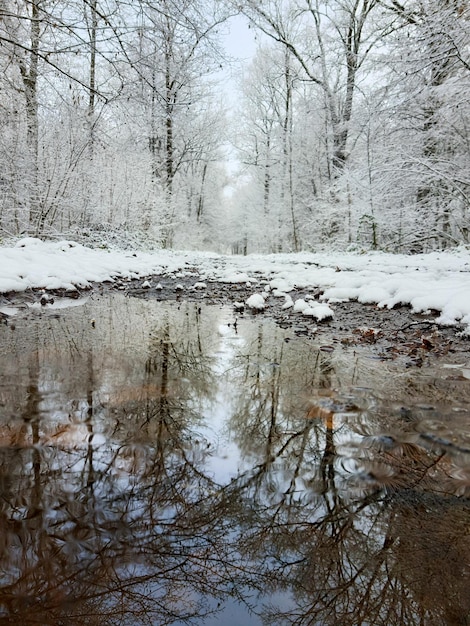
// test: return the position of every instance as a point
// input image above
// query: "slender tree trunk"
(89, 178)
(200, 204)
(169, 157)
(267, 177)
(92, 73)
(288, 182)
(167, 239)
(29, 74)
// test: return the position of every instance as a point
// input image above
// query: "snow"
(438, 282)
(281, 285)
(300, 305)
(256, 302)
(235, 277)
(288, 302)
(320, 311)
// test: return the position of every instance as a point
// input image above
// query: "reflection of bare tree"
(131, 540)
(338, 551)
(108, 514)
(355, 560)
(121, 531)
(113, 551)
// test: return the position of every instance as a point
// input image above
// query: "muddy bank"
(387, 333)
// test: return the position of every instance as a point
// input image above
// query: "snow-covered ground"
(439, 281)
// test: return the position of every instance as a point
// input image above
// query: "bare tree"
(428, 144)
(330, 41)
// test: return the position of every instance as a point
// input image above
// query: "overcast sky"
(240, 41)
(240, 45)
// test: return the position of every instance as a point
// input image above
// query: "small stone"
(46, 299)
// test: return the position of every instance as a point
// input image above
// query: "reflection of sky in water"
(225, 459)
(225, 462)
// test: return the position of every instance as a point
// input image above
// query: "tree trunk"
(29, 74)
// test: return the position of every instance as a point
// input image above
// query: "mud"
(387, 333)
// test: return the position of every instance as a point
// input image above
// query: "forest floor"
(389, 334)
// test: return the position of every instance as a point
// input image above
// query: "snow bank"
(437, 282)
(53, 265)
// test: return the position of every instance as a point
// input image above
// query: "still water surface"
(161, 465)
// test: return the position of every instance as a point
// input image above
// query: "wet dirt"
(389, 334)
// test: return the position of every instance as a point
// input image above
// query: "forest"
(350, 126)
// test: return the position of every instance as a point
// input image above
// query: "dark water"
(160, 466)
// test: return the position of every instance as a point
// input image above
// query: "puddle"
(165, 463)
